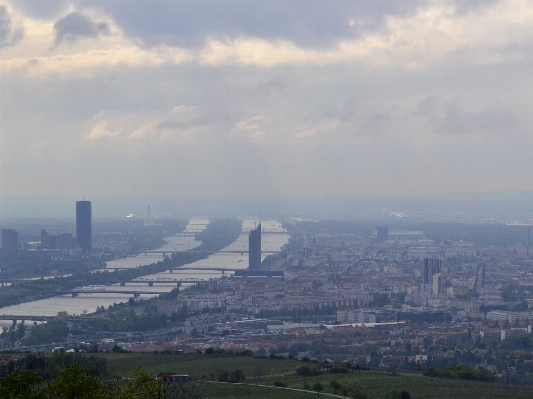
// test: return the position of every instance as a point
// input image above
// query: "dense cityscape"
(341, 292)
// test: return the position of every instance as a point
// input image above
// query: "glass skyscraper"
(84, 230)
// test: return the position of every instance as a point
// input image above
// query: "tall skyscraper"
(10, 244)
(45, 239)
(84, 230)
(382, 233)
(432, 266)
(254, 248)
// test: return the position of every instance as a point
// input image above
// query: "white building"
(355, 316)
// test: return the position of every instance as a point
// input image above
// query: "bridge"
(12, 281)
(152, 282)
(208, 252)
(76, 293)
(214, 269)
(23, 318)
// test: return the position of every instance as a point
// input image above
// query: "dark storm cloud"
(75, 25)
(9, 34)
(306, 23)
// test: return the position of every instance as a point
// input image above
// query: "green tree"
(393, 395)
(74, 382)
(317, 386)
(144, 386)
(22, 386)
(335, 385)
(356, 391)
(236, 376)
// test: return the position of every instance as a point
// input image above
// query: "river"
(90, 301)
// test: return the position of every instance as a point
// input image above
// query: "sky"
(232, 99)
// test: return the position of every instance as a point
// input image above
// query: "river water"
(90, 301)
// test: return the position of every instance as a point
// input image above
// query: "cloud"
(450, 118)
(305, 23)
(75, 26)
(145, 131)
(344, 112)
(251, 128)
(86, 63)
(184, 113)
(322, 127)
(99, 131)
(42, 9)
(430, 34)
(10, 31)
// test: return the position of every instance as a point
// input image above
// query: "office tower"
(10, 243)
(254, 248)
(382, 233)
(432, 266)
(437, 284)
(45, 239)
(84, 225)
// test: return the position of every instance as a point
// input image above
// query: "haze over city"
(233, 100)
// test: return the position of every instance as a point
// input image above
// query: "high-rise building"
(10, 243)
(432, 266)
(382, 233)
(437, 284)
(84, 232)
(45, 239)
(254, 248)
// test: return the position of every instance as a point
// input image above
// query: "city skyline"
(187, 100)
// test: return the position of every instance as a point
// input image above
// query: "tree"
(22, 386)
(259, 371)
(74, 382)
(236, 375)
(317, 386)
(145, 386)
(335, 385)
(344, 391)
(356, 391)
(392, 395)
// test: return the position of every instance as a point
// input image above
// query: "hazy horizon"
(468, 207)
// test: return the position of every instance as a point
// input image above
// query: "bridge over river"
(76, 293)
(23, 318)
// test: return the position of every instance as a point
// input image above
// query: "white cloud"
(145, 131)
(99, 131)
(251, 128)
(320, 128)
(184, 113)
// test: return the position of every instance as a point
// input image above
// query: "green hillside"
(272, 372)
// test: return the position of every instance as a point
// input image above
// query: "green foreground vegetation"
(119, 375)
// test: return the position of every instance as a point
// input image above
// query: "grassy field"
(271, 370)
(208, 390)
(198, 365)
(420, 387)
